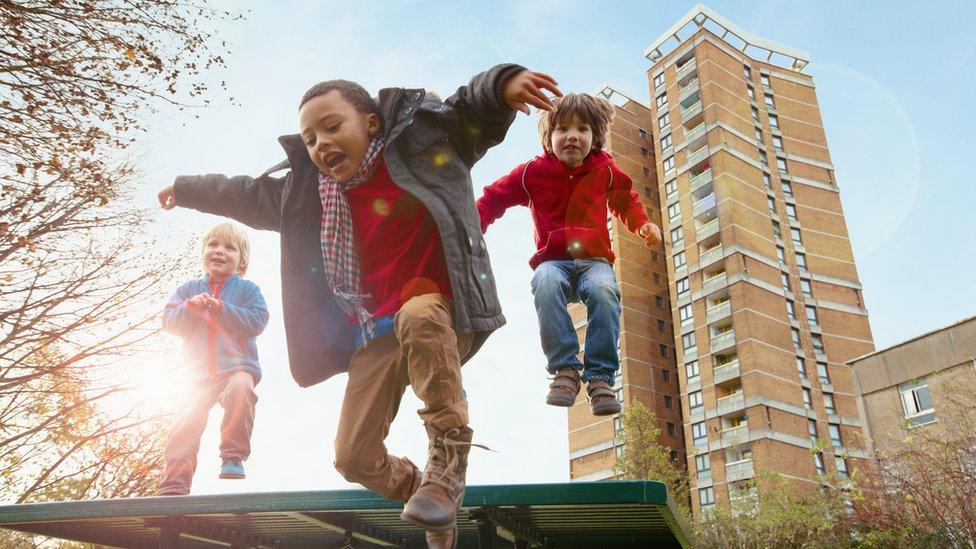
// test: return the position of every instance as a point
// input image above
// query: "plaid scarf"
(338, 246)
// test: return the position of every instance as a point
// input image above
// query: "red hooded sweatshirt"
(568, 205)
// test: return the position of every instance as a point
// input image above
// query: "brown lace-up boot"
(435, 505)
(564, 387)
(603, 401)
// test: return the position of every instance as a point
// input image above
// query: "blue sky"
(894, 81)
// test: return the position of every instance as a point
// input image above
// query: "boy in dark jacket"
(384, 270)
(219, 316)
(567, 190)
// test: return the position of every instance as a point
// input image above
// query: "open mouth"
(333, 159)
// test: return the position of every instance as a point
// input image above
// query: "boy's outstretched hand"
(525, 89)
(167, 198)
(651, 234)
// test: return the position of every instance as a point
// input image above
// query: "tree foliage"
(80, 287)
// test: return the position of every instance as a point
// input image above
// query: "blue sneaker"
(232, 468)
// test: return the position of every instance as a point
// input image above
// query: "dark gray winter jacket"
(418, 130)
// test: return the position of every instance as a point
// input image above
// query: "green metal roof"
(579, 514)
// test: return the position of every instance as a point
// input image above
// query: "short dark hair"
(351, 92)
(596, 112)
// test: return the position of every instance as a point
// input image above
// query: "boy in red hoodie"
(568, 190)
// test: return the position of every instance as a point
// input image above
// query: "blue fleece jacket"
(225, 341)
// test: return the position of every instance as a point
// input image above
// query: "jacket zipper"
(212, 321)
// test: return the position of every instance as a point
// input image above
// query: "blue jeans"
(589, 281)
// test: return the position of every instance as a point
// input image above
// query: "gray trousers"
(235, 394)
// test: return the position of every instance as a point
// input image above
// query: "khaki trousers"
(235, 393)
(424, 352)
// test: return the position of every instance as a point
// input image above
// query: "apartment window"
(781, 254)
(648, 192)
(778, 143)
(781, 165)
(662, 350)
(801, 261)
(688, 342)
(762, 158)
(759, 136)
(777, 230)
(674, 211)
(822, 373)
(659, 301)
(807, 401)
(698, 433)
(842, 467)
(769, 101)
(666, 376)
(663, 121)
(790, 208)
(795, 235)
(668, 164)
(654, 256)
(679, 260)
(682, 286)
(834, 430)
(619, 450)
(795, 333)
(747, 72)
(773, 121)
(916, 400)
(672, 431)
(801, 366)
(695, 400)
(642, 133)
(647, 172)
(790, 309)
(702, 464)
(618, 424)
(785, 279)
(766, 181)
(751, 91)
(665, 142)
(812, 316)
(818, 344)
(764, 79)
(819, 464)
(771, 204)
(691, 370)
(645, 152)
(671, 187)
(812, 429)
(706, 496)
(677, 236)
(806, 288)
(829, 403)
(659, 80)
(684, 313)
(755, 114)
(662, 100)
(788, 191)
(620, 395)
(661, 326)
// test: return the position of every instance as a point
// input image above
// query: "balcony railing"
(748, 493)
(689, 112)
(714, 283)
(698, 156)
(702, 205)
(708, 229)
(686, 69)
(723, 340)
(739, 470)
(718, 312)
(701, 179)
(727, 371)
(687, 89)
(730, 403)
(694, 133)
(710, 255)
(736, 435)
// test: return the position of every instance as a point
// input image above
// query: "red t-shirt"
(400, 253)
